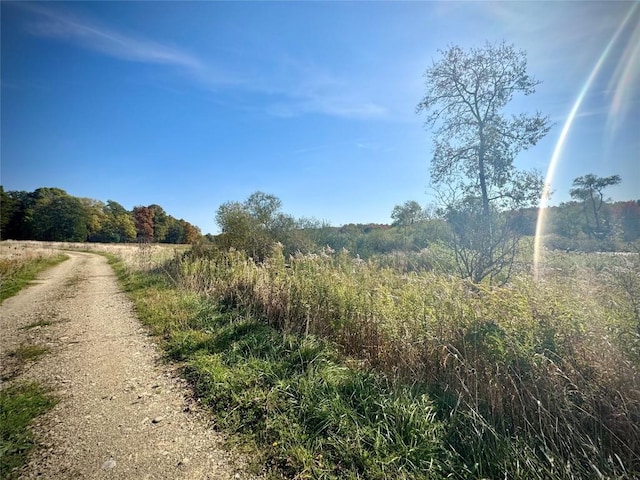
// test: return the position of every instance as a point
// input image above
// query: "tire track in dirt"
(122, 413)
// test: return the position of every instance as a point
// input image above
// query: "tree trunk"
(481, 173)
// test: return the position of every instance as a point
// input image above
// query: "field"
(333, 367)
(20, 263)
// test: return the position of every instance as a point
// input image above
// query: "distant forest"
(51, 214)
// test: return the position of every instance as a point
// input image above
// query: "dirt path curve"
(122, 414)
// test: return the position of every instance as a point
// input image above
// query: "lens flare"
(557, 151)
(626, 75)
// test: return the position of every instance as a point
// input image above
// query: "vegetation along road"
(120, 412)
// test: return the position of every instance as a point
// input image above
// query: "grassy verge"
(19, 405)
(290, 400)
(337, 368)
(15, 274)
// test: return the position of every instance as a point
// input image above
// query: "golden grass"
(556, 361)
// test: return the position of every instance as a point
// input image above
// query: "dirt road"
(122, 413)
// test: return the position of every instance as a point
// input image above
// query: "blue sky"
(191, 104)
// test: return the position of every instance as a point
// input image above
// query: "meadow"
(531, 380)
(20, 263)
(328, 366)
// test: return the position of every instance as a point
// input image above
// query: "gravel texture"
(122, 413)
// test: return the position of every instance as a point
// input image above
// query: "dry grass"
(531, 380)
(15, 255)
(546, 374)
(21, 263)
(137, 257)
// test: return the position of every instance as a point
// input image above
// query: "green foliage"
(256, 224)
(590, 190)
(264, 208)
(175, 231)
(485, 245)
(564, 220)
(476, 144)
(115, 226)
(26, 353)
(568, 231)
(15, 213)
(525, 381)
(408, 213)
(160, 222)
(61, 218)
(51, 214)
(314, 417)
(19, 405)
(308, 414)
(627, 217)
(7, 210)
(370, 240)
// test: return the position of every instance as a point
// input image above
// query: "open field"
(536, 380)
(337, 368)
(20, 263)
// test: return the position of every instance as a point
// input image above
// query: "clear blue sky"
(189, 105)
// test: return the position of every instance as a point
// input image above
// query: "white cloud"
(90, 35)
(296, 88)
(302, 88)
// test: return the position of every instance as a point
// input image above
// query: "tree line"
(587, 222)
(255, 230)
(51, 214)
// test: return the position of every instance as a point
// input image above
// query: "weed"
(25, 353)
(40, 323)
(19, 405)
(73, 281)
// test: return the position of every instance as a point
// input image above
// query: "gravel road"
(122, 412)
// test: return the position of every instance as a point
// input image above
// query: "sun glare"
(625, 71)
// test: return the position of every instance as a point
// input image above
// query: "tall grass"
(534, 381)
(527, 381)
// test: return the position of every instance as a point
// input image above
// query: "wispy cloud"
(301, 88)
(358, 144)
(87, 33)
(290, 87)
(90, 35)
(368, 146)
(345, 107)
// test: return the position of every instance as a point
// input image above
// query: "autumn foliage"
(51, 214)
